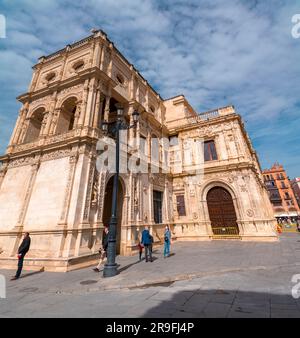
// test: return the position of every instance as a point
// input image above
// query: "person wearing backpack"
(167, 241)
(146, 242)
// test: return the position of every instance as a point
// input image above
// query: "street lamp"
(110, 268)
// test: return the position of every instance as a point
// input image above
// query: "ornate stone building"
(207, 183)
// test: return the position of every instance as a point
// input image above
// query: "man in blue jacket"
(147, 242)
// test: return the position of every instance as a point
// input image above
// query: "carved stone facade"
(52, 185)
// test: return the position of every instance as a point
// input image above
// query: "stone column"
(64, 63)
(102, 56)
(35, 78)
(77, 114)
(24, 129)
(84, 222)
(18, 127)
(106, 110)
(44, 124)
(97, 54)
(98, 109)
(140, 198)
(54, 120)
(131, 130)
(132, 85)
(51, 113)
(88, 192)
(110, 66)
(68, 190)
(149, 145)
(101, 197)
(91, 56)
(151, 216)
(90, 108)
(167, 206)
(84, 103)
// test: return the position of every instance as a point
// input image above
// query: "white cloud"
(216, 53)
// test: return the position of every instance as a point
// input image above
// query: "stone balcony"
(201, 118)
(55, 140)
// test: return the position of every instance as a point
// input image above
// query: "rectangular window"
(157, 206)
(143, 145)
(180, 205)
(210, 153)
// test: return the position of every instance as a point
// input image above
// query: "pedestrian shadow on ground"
(218, 303)
(124, 268)
(32, 273)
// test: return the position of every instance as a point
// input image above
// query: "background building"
(281, 193)
(206, 184)
(296, 188)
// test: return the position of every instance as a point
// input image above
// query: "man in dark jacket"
(103, 250)
(147, 243)
(22, 251)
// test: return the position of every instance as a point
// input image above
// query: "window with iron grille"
(180, 205)
(210, 153)
(157, 206)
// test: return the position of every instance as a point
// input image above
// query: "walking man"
(103, 250)
(22, 251)
(146, 242)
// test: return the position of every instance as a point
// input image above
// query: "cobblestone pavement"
(200, 279)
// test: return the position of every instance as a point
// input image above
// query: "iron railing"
(226, 231)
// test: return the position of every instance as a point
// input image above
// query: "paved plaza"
(200, 279)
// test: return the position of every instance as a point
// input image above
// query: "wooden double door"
(222, 212)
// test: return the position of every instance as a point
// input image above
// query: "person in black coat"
(22, 251)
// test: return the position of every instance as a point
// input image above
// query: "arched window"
(35, 125)
(66, 118)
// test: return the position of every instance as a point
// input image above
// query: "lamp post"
(110, 268)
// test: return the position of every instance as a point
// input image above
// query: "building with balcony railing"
(196, 172)
(281, 193)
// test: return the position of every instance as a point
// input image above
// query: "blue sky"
(216, 53)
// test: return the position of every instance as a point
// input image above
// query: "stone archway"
(222, 212)
(108, 205)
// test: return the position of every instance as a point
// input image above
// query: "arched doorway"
(222, 212)
(108, 205)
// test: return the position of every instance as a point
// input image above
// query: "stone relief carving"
(21, 162)
(95, 192)
(243, 188)
(44, 100)
(56, 154)
(250, 213)
(89, 187)
(101, 195)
